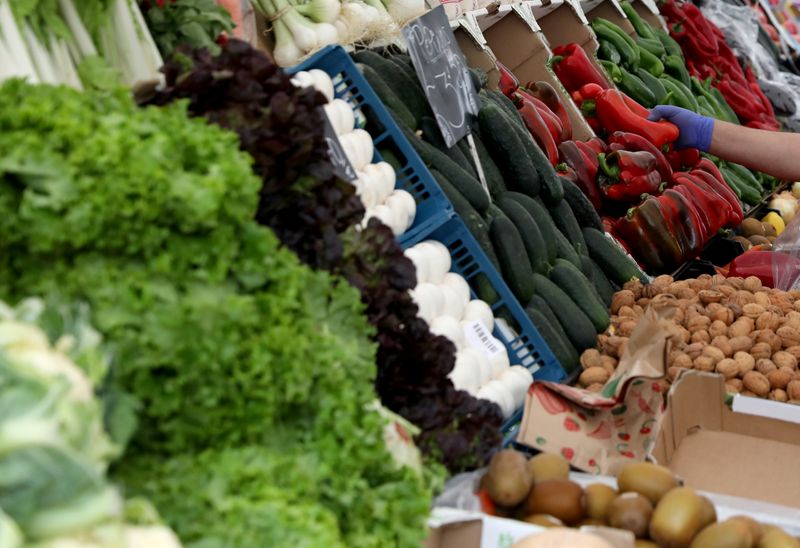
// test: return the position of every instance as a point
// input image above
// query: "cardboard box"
(477, 55)
(714, 448)
(526, 53)
(453, 528)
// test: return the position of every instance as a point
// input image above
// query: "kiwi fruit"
(775, 537)
(508, 479)
(727, 534)
(598, 498)
(769, 230)
(631, 512)
(645, 478)
(744, 241)
(642, 543)
(756, 531)
(752, 227)
(677, 518)
(591, 522)
(758, 240)
(709, 512)
(562, 499)
(548, 466)
(543, 520)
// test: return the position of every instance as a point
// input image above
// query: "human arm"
(774, 153)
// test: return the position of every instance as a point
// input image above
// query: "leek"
(305, 34)
(320, 11)
(15, 45)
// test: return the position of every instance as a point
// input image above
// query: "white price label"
(479, 337)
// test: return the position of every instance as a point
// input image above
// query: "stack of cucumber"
(539, 230)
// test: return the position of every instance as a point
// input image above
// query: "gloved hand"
(695, 130)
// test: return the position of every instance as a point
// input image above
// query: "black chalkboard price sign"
(442, 71)
(341, 164)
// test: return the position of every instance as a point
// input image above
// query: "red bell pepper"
(631, 141)
(715, 207)
(508, 82)
(574, 68)
(585, 168)
(550, 97)
(699, 216)
(615, 115)
(597, 145)
(681, 222)
(550, 119)
(632, 174)
(537, 127)
(646, 232)
(717, 182)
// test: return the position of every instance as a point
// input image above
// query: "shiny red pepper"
(597, 144)
(686, 216)
(708, 182)
(574, 68)
(646, 232)
(684, 159)
(548, 116)
(631, 141)
(508, 82)
(715, 207)
(699, 215)
(631, 174)
(758, 93)
(740, 100)
(537, 127)
(615, 115)
(585, 168)
(717, 181)
(550, 97)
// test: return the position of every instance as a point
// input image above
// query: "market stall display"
(310, 310)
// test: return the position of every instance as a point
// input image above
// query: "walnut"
(622, 298)
(765, 366)
(756, 383)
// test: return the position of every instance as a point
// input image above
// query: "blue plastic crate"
(433, 207)
(468, 259)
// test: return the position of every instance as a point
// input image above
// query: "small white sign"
(480, 337)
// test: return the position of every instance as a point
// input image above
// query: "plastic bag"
(459, 492)
(738, 24)
(786, 262)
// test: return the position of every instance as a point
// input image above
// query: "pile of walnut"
(748, 333)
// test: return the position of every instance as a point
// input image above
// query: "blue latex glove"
(695, 130)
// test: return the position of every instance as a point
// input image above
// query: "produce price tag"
(442, 71)
(341, 164)
(479, 337)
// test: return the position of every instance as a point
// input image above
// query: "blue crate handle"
(433, 207)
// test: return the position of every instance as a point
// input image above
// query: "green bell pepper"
(650, 62)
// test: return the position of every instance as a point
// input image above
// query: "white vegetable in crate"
(429, 299)
(500, 363)
(498, 393)
(341, 116)
(483, 363)
(404, 206)
(458, 284)
(479, 310)
(466, 373)
(374, 176)
(450, 328)
(322, 81)
(303, 79)
(420, 260)
(386, 216)
(439, 261)
(358, 147)
(453, 303)
(518, 380)
(368, 197)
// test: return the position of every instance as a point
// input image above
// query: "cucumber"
(507, 107)
(508, 151)
(388, 97)
(433, 135)
(581, 207)
(494, 179)
(463, 181)
(565, 250)
(493, 213)
(552, 189)
(577, 326)
(407, 89)
(601, 283)
(560, 346)
(539, 304)
(568, 277)
(531, 236)
(614, 263)
(566, 222)
(475, 223)
(586, 268)
(514, 262)
(463, 147)
(543, 220)
(484, 289)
